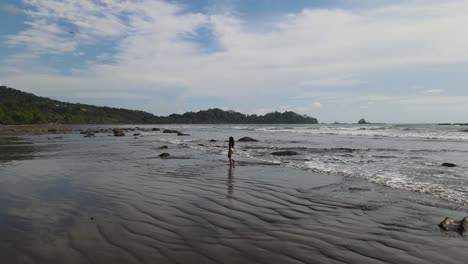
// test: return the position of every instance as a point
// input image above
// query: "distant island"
(21, 108)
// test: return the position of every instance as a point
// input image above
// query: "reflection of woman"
(230, 183)
(231, 152)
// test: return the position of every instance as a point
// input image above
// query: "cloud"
(10, 9)
(316, 105)
(432, 91)
(301, 53)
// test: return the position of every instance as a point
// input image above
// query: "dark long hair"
(231, 142)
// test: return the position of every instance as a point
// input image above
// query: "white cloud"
(316, 105)
(432, 91)
(327, 48)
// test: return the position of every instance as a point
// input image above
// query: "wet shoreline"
(113, 200)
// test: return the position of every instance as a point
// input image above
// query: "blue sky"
(337, 60)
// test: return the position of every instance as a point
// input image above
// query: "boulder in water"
(136, 134)
(89, 135)
(449, 224)
(170, 131)
(182, 134)
(247, 139)
(155, 129)
(164, 147)
(464, 227)
(118, 132)
(212, 140)
(448, 164)
(164, 155)
(284, 153)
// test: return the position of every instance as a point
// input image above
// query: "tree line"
(19, 108)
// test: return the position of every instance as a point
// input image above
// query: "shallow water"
(69, 199)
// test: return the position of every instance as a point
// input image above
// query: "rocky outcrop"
(164, 155)
(449, 224)
(164, 147)
(284, 153)
(118, 132)
(212, 140)
(155, 129)
(182, 134)
(136, 134)
(363, 121)
(89, 135)
(247, 139)
(170, 131)
(448, 164)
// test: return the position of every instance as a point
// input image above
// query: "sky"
(336, 60)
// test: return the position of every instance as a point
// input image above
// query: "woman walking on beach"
(231, 152)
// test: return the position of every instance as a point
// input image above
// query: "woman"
(231, 151)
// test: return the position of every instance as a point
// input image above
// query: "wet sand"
(113, 200)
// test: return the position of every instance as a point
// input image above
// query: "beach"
(65, 198)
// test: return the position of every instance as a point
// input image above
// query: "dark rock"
(464, 227)
(201, 145)
(164, 155)
(284, 153)
(118, 132)
(84, 132)
(136, 134)
(91, 218)
(247, 139)
(182, 134)
(464, 130)
(359, 189)
(448, 164)
(212, 140)
(363, 121)
(89, 135)
(155, 129)
(170, 131)
(164, 147)
(449, 224)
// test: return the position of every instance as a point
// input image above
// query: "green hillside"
(19, 108)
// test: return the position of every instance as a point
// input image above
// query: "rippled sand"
(67, 199)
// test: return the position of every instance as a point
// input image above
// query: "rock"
(164, 147)
(84, 132)
(363, 121)
(170, 131)
(136, 134)
(155, 129)
(118, 132)
(448, 164)
(89, 135)
(464, 130)
(449, 224)
(464, 227)
(201, 145)
(164, 155)
(212, 140)
(247, 139)
(284, 153)
(182, 134)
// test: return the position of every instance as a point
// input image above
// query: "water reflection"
(230, 182)
(14, 148)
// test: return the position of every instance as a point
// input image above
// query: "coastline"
(123, 204)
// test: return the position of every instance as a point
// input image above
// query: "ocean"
(401, 156)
